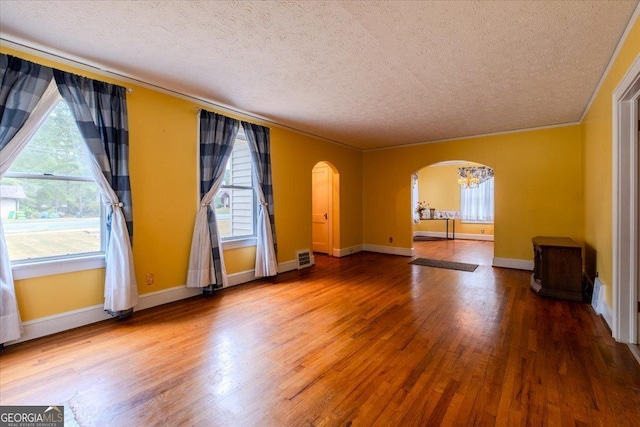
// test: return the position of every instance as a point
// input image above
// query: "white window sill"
(239, 243)
(30, 269)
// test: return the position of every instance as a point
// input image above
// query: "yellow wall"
(554, 181)
(538, 186)
(163, 169)
(438, 186)
(597, 143)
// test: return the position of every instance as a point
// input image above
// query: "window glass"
(476, 204)
(235, 201)
(50, 205)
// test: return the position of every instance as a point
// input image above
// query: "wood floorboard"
(365, 340)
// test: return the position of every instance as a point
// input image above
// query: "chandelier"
(468, 181)
(471, 177)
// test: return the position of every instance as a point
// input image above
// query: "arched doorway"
(455, 213)
(325, 212)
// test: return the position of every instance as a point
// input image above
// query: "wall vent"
(303, 258)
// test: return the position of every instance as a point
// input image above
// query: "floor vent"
(303, 258)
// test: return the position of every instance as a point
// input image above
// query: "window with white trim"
(51, 205)
(235, 202)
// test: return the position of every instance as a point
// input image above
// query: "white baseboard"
(463, 236)
(607, 313)
(347, 251)
(518, 264)
(634, 351)
(49, 325)
(285, 266)
(242, 277)
(391, 250)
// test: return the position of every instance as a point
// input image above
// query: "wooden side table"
(557, 269)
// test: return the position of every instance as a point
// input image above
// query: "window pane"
(235, 212)
(238, 172)
(44, 218)
(476, 204)
(47, 215)
(57, 147)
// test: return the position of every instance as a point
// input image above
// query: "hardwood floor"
(362, 340)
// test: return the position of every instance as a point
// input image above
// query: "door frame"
(625, 206)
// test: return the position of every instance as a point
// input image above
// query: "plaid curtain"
(22, 84)
(100, 111)
(217, 136)
(259, 145)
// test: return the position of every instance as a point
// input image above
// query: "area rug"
(427, 239)
(428, 262)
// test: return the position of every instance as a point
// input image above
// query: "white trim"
(29, 270)
(625, 205)
(518, 264)
(463, 236)
(61, 322)
(391, 250)
(241, 277)
(606, 313)
(285, 266)
(347, 251)
(460, 138)
(48, 325)
(75, 318)
(164, 296)
(614, 56)
(635, 351)
(238, 243)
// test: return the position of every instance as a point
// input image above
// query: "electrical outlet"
(150, 278)
(390, 239)
(482, 231)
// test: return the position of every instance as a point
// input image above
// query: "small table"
(453, 221)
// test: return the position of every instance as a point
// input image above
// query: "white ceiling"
(366, 74)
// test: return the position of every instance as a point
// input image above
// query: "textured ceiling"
(366, 74)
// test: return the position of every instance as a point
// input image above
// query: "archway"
(453, 211)
(325, 209)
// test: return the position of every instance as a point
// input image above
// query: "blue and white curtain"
(22, 85)
(217, 136)
(28, 93)
(100, 111)
(259, 145)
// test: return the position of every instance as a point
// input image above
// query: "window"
(476, 204)
(50, 203)
(235, 203)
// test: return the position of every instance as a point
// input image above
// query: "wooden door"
(321, 184)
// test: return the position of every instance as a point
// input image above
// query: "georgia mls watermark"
(32, 416)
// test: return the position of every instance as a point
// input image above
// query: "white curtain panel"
(10, 323)
(120, 285)
(201, 272)
(266, 263)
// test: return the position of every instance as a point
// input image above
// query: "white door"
(321, 184)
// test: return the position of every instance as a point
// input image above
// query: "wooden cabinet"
(557, 269)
